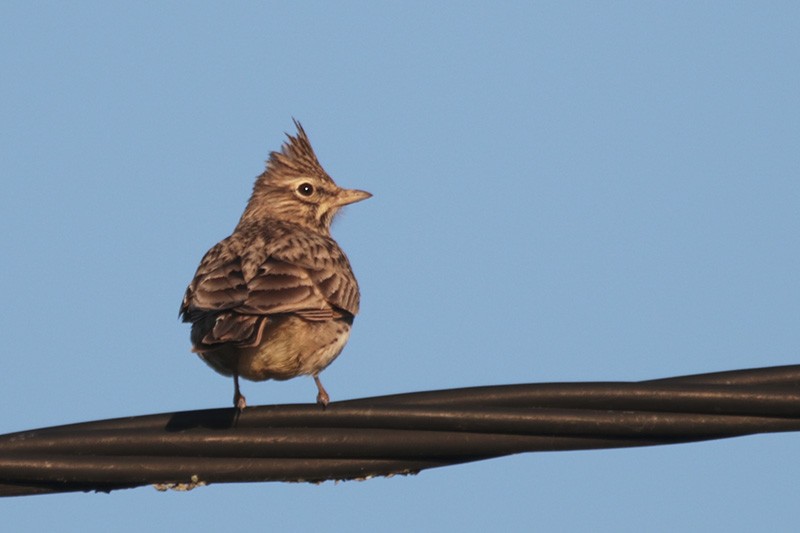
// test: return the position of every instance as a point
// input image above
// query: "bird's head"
(295, 188)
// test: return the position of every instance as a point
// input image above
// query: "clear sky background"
(563, 191)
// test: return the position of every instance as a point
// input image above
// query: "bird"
(277, 298)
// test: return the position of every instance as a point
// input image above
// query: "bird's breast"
(292, 346)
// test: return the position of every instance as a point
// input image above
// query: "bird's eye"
(305, 189)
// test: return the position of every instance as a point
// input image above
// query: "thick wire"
(397, 434)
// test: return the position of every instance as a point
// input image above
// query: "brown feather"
(277, 298)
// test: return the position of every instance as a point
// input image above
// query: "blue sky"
(562, 192)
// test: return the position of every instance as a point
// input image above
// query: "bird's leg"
(322, 397)
(239, 400)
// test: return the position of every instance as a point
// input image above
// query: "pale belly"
(290, 347)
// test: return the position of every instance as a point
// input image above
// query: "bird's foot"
(239, 401)
(322, 397)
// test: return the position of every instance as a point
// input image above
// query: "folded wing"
(231, 298)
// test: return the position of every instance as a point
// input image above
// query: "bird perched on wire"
(277, 298)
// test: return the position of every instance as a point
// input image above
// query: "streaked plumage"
(277, 298)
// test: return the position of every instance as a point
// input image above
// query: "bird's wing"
(308, 275)
(218, 284)
(281, 287)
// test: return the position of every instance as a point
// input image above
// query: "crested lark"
(276, 299)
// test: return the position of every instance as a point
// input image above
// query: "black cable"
(397, 434)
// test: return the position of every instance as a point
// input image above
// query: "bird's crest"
(296, 158)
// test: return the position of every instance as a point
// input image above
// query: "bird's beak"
(351, 196)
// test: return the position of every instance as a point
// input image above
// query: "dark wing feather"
(338, 286)
(269, 270)
(243, 330)
(323, 263)
(280, 287)
(218, 284)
